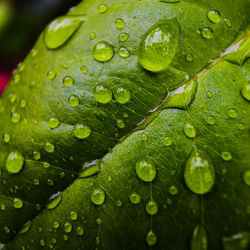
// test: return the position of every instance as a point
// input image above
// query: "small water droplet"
(119, 23)
(46, 165)
(51, 75)
(102, 94)
(123, 37)
(56, 224)
(67, 227)
(232, 113)
(54, 201)
(207, 33)
(120, 123)
(226, 156)
(122, 95)
(209, 94)
(144, 137)
(189, 130)
(151, 238)
(59, 31)
(98, 221)
(158, 46)
(123, 52)
(36, 182)
(23, 104)
(6, 230)
(173, 190)
(167, 141)
(73, 101)
(81, 131)
(246, 177)
(199, 239)
(189, 57)
(16, 78)
(49, 147)
(210, 120)
(17, 203)
(135, 198)
(213, 16)
(73, 215)
(68, 81)
(36, 155)
(145, 169)
(79, 231)
(102, 8)
(84, 69)
(98, 196)
(103, 51)
(92, 35)
(6, 138)
(199, 173)
(152, 207)
(15, 118)
(53, 123)
(227, 22)
(245, 91)
(14, 162)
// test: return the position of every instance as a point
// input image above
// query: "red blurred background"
(21, 22)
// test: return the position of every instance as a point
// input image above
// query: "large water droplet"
(158, 46)
(98, 196)
(60, 30)
(102, 94)
(199, 172)
(199, 239)
(152, 207)
(213, 16)
(151, 238)
(145, 169)
(189, 130)
(103, 51)
(14, 162)
(81, 131)
(245, 91)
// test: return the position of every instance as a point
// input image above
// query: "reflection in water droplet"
(14, 162)
(199, 173)
(145, 169)
(102, 94)
(103, 51)
(199, 239)
(59, 31)
(158, 46)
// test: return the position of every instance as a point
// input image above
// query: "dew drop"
(152, 207)
(6, 138)
(53, 123)
(81, 131)
(246, 177)
(73, 215)
(207, 33)
(232, 113)
(119, 23)
(122, 95)
(67, 227)
(167, 141)
(56, 224)
(79, 231)
(102, 94)
(98, 196)
(102, 8)
(54, 201)
(145, 169)
(84, 69)
(209, 94)
(15, 118)
(98, 221)
(73, 101)
(36, 155)
(120, 123)
(151, 238)
(189, 130)
(123, 37)
(68, 81)
(227, 22)
(59, 31)
(135, 198)
(123, 52)
(213, 16)
(210, 120)
(51, 75)
(49, 147)
(90, 169)
(226, 156)
(199, 239)
(92, 35)
(144, 137)
(103, 51)
(25, 228)
(14, 162)
(23, 104)
(158, 46)
(199, 173)
(173, 190)
(245, 91)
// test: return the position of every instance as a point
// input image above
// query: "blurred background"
(21, 22)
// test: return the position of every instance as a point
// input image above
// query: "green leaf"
(102, 153)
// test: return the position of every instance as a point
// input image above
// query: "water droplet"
(158, 46)
(98, 196)
(36, 155)
(199, 239)
(199, 172)
(73, 215)
(67, 227)
(227, 22)
(102, 8)
(54, 201)
(81, 131)
(152, 207)
(189, 130)
(209, 94)
(144, 137)
(103, 51)
(17, 203)
(51, 75)
(145, 169)
(15, 118)
(79, 231)
(68, 81)
(59, 31)
(151, 238)
(245, 91)
(12, 98)
(53, 123)
(120, 123)
(2, 207)
(25, 228)
(84, 69)
(122, 95)
(207, 33)
(46, 165)
(102, 94)
(6, 138)
(173, 190)
(232, 113)
(167, 141)
(92, 35)
(123, 52)
(135, 198)
(123, 37)
(119, 23)
(16, 78)
(49, 147)
(90, 169)
(226, 156)
(98, 221)
(14, 162)
(56, 224)
(23, 104)
(73, 101)
(213, 16)
(6, 230)
(210, 120)
(246, 177)
(189, 57)
(36, 182)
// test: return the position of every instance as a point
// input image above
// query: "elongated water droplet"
(152, 207)
(90, 169)
(59, 31)
(245, 91)
(151, 238)
(98, 196)
(213, 16)
(134, 198)
(14, 162)
(145, 169)
(158, 46)
(54, 201)
(199, 173)
(25, 228)
(199, 239)
(102, 8)
(102, 94)
(81, 131)
(103, 51)
(189, 130)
